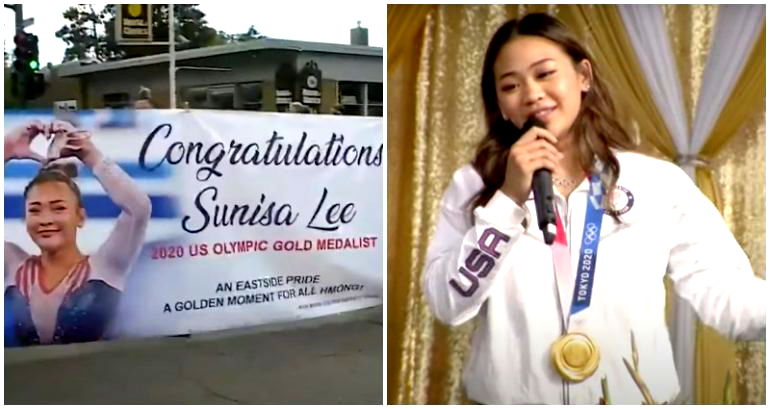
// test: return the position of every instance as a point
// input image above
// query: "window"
(250, 96)
(360, 98)
(196, 97)
(245, 96)
(117, 100)
(221, 97)
(374, 105)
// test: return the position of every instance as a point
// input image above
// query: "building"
(260, 75)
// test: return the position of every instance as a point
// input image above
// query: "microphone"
(542, 187)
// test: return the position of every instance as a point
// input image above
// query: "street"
(328, 360)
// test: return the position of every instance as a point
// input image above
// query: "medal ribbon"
(584, 278)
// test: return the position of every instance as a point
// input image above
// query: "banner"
(191, 221)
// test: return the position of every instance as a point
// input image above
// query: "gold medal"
(575, 356)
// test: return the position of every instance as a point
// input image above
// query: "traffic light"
(26, 52)
(26, 81)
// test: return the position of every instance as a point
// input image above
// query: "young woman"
(552, 321)
(63, 295)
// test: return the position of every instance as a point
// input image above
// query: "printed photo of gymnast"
(62, 295)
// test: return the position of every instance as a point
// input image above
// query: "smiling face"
(535, 77)
(53, 215)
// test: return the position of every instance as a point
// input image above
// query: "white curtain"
(736, 31)
(734, 36)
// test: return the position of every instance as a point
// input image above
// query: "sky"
(326, 22)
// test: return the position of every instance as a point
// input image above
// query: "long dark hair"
(596, 128)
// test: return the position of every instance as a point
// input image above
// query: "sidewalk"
(329, 360)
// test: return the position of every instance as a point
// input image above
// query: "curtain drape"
(720, 40)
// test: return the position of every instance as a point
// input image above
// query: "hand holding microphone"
(531, 161)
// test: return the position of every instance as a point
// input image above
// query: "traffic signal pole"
(27, 82)
(171, 58)
(19, 28)
(19, 15)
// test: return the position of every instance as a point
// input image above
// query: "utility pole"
(171, 57)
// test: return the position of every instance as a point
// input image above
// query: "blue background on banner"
(97, 206)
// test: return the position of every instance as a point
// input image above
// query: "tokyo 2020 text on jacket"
(667, 227)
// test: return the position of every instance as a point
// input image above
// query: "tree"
(192, 30)
(85, 35)
(92, 35)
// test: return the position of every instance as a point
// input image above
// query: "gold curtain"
(742, 159)
(745, 100)
(434, 121)
(690, 31)
(690, 28)
(405, 26)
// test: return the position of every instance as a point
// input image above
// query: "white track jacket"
(668, 227)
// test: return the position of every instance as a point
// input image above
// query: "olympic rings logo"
(591, 233)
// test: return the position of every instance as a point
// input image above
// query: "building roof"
(76, 69)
